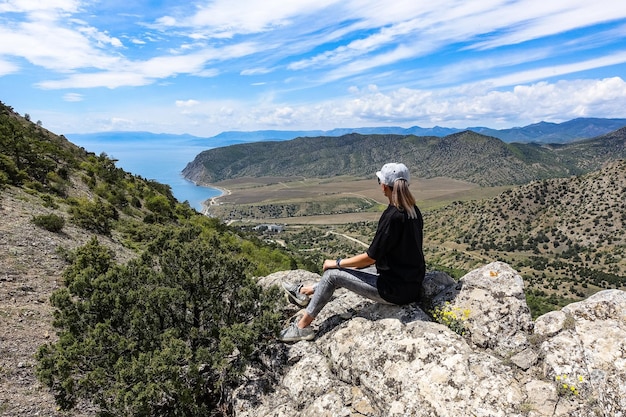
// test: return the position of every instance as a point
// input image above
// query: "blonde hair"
(402, 198)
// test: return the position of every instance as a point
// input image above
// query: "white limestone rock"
(498, 316)
(377, 360)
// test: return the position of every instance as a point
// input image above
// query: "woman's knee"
(329, 278)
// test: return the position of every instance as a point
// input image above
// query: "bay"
(161, 161)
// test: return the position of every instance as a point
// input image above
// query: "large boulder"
(584, 345)
(494, 302)
(488, 358)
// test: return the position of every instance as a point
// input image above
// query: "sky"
(203, 67)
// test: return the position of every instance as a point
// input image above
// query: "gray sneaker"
(292, 292)
(294, 334)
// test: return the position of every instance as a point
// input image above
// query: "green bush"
(166, 334)
(160, 206)
(50, 222)
(34, 185)
(95, 216)
(48, 201)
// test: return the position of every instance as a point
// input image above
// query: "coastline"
(206, 204)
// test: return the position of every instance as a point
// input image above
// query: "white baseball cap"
(391, 172)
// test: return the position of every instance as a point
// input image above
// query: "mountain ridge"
(469, 156)
(541, 132)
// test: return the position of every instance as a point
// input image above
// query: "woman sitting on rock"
(396, 250)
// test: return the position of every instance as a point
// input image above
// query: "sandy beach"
(206, 205)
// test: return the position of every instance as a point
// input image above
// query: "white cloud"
(406, 47)
(256, 71)
(358, 66)
(420, 31)
(7, 68)
(73, 97)
(541, 101)
(121, 123)
(187, 103)
(207, 73)
(29, 6)
(102, 38)
(52, 47)
(140, 73)
(393, 32)
(558, 70)
(166, 21)
(534, 19)
(225, 18)
(397, 32)
(463, 106)
(91, 80)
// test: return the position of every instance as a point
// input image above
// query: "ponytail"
(402, 198)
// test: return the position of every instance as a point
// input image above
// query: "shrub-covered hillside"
(565, 235)
(116, 299)
(467, 156)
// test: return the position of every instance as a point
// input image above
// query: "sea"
(161, 161)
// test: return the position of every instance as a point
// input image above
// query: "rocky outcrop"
(484, 356)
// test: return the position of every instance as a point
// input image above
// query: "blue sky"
(203, 67)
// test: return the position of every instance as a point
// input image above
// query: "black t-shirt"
(397, 249)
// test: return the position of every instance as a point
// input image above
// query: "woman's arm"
(358, 261)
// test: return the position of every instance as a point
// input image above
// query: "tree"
(164, 334)
(97, 216)
(26, 151)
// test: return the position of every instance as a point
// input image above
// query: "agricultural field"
(338, 200)
(327, 218)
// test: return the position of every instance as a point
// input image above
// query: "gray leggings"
(360, 281)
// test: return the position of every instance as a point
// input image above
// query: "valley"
(565, 235)
(337, 200)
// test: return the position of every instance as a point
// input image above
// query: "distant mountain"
(543, 132)
(182, 140)
(261, 135)
(469, 156)
(269, 135)
(121, 136)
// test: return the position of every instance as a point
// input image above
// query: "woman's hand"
(358, 261)
(329, 264)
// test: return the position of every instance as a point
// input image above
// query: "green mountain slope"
(108, 285)
(566, 235)
(468, 156)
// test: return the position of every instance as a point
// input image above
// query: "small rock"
(525, 359)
